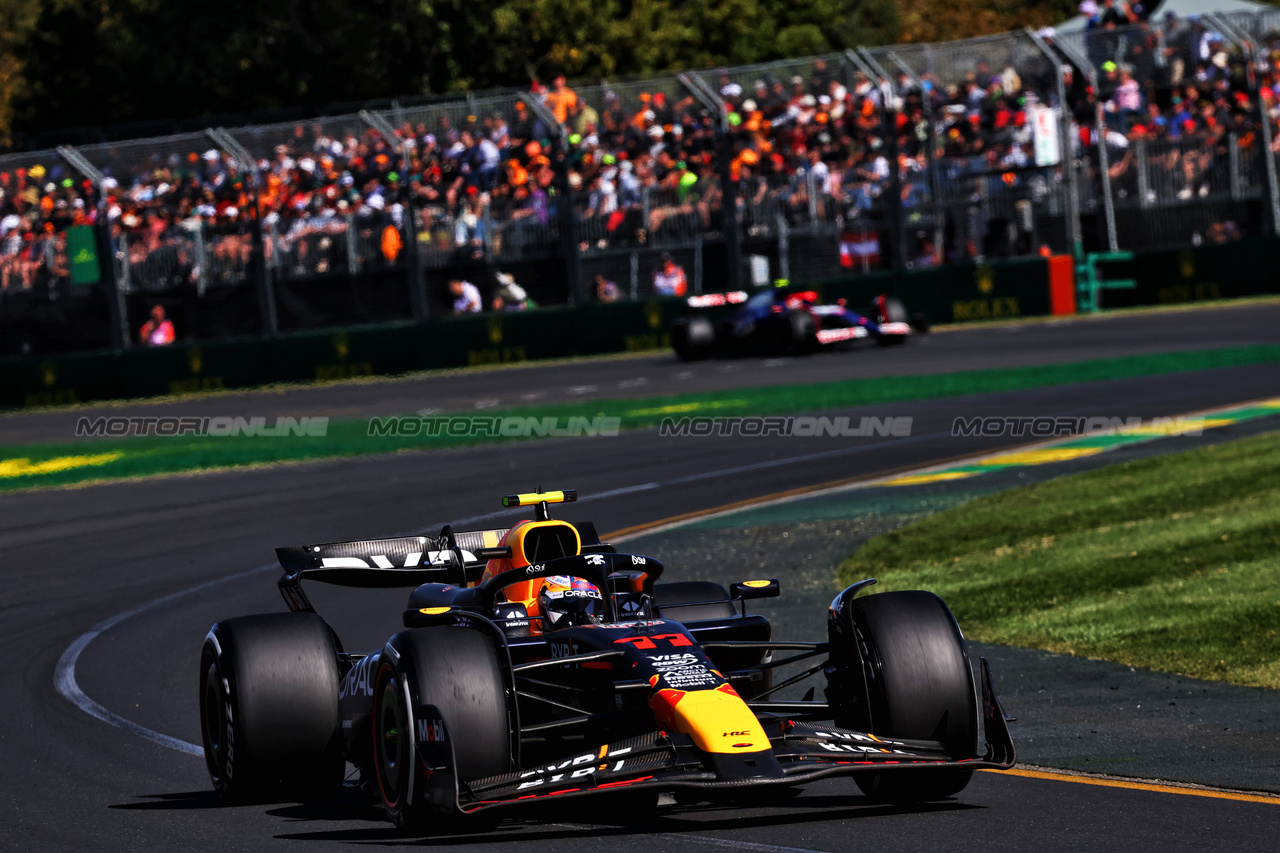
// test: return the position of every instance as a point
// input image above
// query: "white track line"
(708, 840)
(64, 676)
(711, 841)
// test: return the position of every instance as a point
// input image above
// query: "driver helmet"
(565, 600)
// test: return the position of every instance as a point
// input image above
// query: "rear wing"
(404, 562)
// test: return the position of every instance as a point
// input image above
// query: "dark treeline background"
(69, 63)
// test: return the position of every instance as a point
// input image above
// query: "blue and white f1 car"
(782, 321)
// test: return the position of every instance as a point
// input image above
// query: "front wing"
(841, 333)
(801, 752)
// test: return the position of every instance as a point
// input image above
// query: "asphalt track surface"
(75, 558)
(1113, 335)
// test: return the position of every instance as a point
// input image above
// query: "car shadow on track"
(704, 819)
(345, 806)
(187, 800)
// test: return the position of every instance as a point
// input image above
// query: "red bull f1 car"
(537, 662)
(784, 321)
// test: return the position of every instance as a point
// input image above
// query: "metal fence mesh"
(890, 158)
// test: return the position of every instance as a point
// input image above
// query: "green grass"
(20, 468)
(1170, 563)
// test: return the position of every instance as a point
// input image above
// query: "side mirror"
(755, 589)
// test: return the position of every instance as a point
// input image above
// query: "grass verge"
(65, 463)
(1170, 563)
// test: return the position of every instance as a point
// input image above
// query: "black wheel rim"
(213, 718)
(392, 747)
(875, 683)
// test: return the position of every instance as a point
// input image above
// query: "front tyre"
(456, 670)
(802, 333)
(920, 687)
(891, 309)
(269, 708)
(693, 338)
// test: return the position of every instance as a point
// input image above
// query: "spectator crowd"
(1177, 90)
(646, 168)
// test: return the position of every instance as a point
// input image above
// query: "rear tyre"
(693, 338)
(457, 671)
(920, 687)
(269, 708)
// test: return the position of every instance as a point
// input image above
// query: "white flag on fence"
(1044, 126)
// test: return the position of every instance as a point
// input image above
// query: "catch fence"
(889, 158)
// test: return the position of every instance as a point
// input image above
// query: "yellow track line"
(1153, 787)
(1079, 779)
(638, 529)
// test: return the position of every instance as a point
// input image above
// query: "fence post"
(408, 227)
(1233, 165)
(705, 95)
(202, 262)
(697, 263)
(353, 253)
(488, 233)
(1144, 181)
(266, 290)
(1100, 128)
(272, 262)
(888, 124)
(1104, 168)
(784, 246)
(931, 149)
(125, 280)
(568, 217)
(1271, 206)
(1069, 165)
(117, 311)
(266, 284)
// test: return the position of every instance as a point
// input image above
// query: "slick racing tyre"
(269, 708)
(693, 338)
(457, 671)
(920, 687)
(891, 310)
(802, 334)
